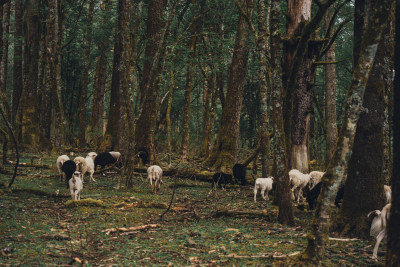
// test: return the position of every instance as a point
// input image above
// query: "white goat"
(90, 167)
(76, 185)
(80, 165)
(265, 184)
(154, 174)
(388, 193)
(379, 226)
(93, 155)
(60, 161)
(298, 181)
(315, 178)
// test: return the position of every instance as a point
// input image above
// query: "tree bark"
(85, 77)
(94, 132)
(393, 245)
(149, 86)
(30, 116)
(224, 152)
(365, 174)
(280, 159)
(330, 96)
(264, 76)
(4, 58)
(17, 67)
(337, 167)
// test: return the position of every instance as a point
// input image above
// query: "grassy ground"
(197, 230)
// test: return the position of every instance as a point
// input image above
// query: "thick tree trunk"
(365, 174)
(30, 116)
(300, 13)
(85, 77)
(393, 247)
(330, 97)
(285, 204)
(4, 57)
(264, 77)
(224, 152)
(116, 116)
(149, 87)
(17, 67)
(338, 165)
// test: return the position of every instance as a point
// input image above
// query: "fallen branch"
(30, 165)
(129, 229)
(343, 239)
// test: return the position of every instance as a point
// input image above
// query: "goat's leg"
(263, 193)
(379, 239)
(255, 194)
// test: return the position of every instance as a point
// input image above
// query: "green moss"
(88, 202)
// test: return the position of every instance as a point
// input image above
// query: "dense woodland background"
(220, 81)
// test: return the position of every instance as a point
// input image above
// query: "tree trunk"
(338, 165)
(300, 13)
(393, 245)
(17, 67)
(111, 140)
(284, 201)
(49, 95)
(30, 116)
(189, 84)
(264, 76)
(330, 97)
(224, 152)
(365, 179)
(149, 87)
(4, 57)
(85, 77)
(94, 131)
(168, 116)
(365, 174)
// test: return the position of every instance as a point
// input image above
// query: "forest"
(210, 100)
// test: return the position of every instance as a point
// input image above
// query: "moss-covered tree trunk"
(330, 96)
(365, 179)
(224, 152)
(393, 245)
(30, 115)
(149, 86)
(85, 77)
(280, 159)
(337, 167)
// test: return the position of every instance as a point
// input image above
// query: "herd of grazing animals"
(73, 172)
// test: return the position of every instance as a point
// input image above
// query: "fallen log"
(129, 229)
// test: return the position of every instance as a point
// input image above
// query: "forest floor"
(38, 227)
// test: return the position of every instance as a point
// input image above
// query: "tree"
(330, 96)
(17, 67)
(338, 165)
(4, 56)
(85, 76)
(30, 116)
(194, 28)
(280, 159)
(149, 86)
(365, 177)
(224, 152)
(393, 247)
